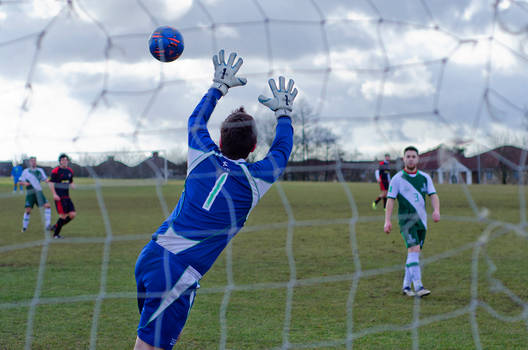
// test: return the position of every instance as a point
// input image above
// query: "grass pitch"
(311, 267)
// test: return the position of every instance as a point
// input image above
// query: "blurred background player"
(220, 191)
(383, 178)
(60, 182)
(31, 178)
(410, 187)
(16, 172)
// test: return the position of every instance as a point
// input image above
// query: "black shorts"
(384, 185)
(64, 205)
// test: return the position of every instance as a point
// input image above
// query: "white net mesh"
(378, 74)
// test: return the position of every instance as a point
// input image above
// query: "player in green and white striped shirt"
(31, 178)
(410, 187)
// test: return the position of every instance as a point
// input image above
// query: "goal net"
(312, 268)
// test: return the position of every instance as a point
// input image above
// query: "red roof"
(509, 156)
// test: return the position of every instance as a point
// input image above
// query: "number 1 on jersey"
(215, 191)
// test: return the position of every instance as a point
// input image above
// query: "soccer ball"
(166, 44)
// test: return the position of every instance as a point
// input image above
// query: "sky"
(77, 76)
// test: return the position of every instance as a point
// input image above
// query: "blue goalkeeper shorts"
(165, 293)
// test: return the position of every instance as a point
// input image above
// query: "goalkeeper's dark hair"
(411, 148)
(238, 135)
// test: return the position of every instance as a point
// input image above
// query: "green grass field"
(477, 271)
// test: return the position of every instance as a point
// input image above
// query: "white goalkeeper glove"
(224, 76)
(282, 101)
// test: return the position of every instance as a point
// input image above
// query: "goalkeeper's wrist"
(220, 86)
(282, 112)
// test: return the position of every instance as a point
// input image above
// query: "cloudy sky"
(76, 76)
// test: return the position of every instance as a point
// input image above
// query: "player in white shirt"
(410, 187)
(31, 178)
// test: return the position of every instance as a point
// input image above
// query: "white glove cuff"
(283, 112)
(220, 86)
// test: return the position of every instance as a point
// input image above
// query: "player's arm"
(52, 189)
(392, 193)
(44, 176)
(23, 180)
(72, 185)
(388, 215)
(272, 166)
(51, 184)
(435, 202)
(377, 174)
(224, 78)
(198, 135)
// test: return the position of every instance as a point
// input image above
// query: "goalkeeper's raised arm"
(273, 165)
(224, 78)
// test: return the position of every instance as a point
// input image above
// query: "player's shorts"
(35, 197)
(166, 288)
(384, 185)
(64, 205)
(412, 234)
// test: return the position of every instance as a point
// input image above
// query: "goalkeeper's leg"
(166, 291)
(141, 345)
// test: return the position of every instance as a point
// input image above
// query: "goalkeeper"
(220, 191)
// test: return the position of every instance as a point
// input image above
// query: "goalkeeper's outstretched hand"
(225, 73)
(282, 101)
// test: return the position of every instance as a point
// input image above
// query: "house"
(5, 168)
(446, 166)
(501, 165)
(112, 168)
(156, 166)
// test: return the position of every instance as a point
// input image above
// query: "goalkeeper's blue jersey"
(219, 192)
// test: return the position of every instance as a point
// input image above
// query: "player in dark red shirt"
(60, 182)
(383, 178)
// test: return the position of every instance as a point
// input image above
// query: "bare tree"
(310, 139)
